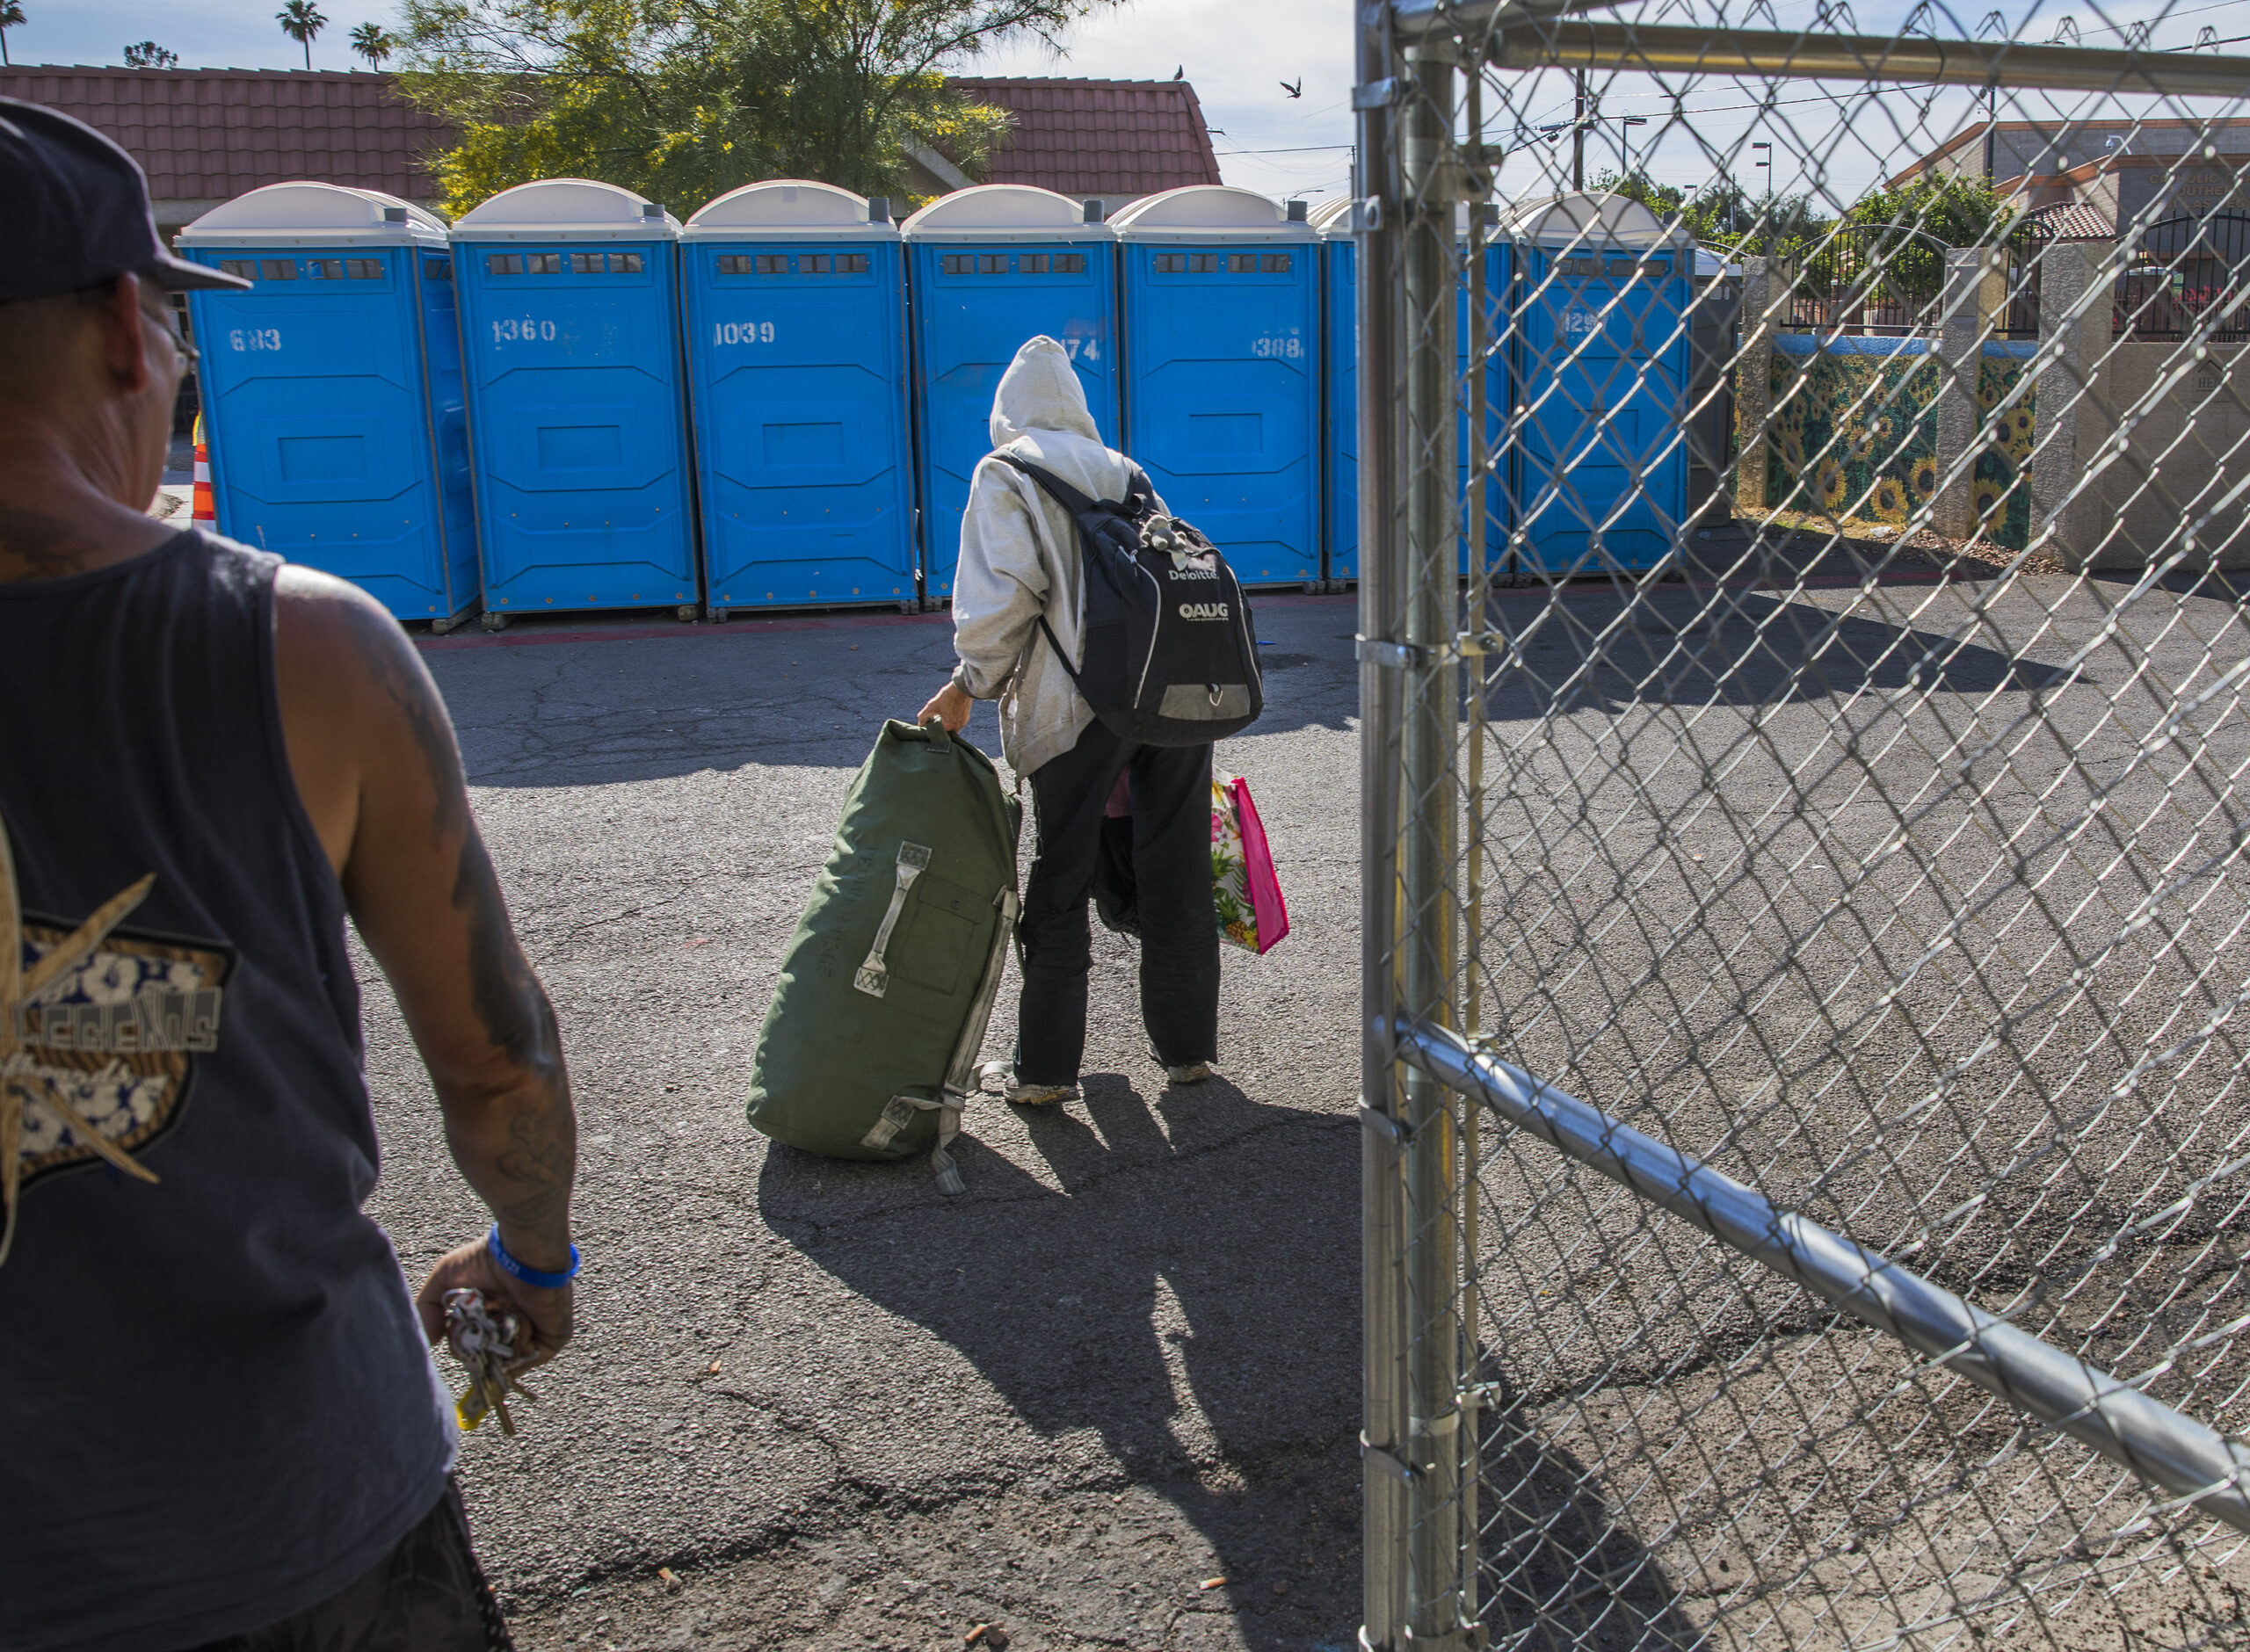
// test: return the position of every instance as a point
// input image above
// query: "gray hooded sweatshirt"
(1019, 557)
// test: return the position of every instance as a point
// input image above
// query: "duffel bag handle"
(936, 729)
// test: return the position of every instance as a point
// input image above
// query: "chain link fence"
(1804, 911)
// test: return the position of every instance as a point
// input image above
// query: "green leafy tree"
(683, 99)
(148, 54)
(1722, 214)
(371, 41)
(302, 21)
(1960, 212)
(12, 17)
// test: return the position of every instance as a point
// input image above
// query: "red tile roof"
(2074, 221)
(210, 133)
(1099, 137)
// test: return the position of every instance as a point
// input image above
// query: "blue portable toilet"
(332, 392)
(576, 422)
(987, 269)
(1602, 302)
(796, 367)
(1331, 222)
(1221, 293)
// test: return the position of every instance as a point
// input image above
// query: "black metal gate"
(2188, 274)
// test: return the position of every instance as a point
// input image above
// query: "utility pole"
(1578, 136)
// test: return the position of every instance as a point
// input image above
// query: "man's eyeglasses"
(188, 354)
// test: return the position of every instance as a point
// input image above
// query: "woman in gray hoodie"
(1019, 562)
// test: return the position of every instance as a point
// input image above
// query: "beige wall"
(2185, 448)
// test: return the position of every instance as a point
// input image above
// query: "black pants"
(427, 1594)
(1171, 864)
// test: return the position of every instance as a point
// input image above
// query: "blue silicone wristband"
(516, 1270)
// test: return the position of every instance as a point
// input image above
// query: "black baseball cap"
(77, 207)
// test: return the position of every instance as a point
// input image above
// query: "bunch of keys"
(484, 1341)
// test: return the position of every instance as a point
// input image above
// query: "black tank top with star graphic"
(219, 1408)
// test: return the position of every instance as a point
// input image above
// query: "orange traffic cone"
(205, 507)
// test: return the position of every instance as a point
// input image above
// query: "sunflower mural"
(2003, 474)
(1860, 431)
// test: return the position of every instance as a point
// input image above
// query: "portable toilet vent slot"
(1601, 303)
(331, 391)
(1222, 290)
(797, 353)
(989, 268)
(570, 329)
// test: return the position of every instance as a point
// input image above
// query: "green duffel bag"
(870, 1047)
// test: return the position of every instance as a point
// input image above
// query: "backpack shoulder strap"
(1061, 491)
(1078, 504)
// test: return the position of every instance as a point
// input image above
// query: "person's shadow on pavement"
(1191, 1298)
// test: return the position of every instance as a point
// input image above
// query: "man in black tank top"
(223, 1427)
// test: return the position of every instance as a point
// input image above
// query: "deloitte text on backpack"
(1169, 657)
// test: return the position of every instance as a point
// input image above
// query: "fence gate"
(1807, 1143)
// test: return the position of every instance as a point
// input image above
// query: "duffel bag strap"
(963, 1076)
(873, 977)
(899, 1112)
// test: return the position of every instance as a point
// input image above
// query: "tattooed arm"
(373, 751)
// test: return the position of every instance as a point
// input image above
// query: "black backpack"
(1171, 659)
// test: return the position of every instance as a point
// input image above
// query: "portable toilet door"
(1339, 392)
(576, 417)
(1332, 221)
(989, 268)
(1222, 294)
(331, 391)
(1601, 309)
(796, 366)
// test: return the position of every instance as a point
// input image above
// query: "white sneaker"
(1041, 1095)
(1194, 1075)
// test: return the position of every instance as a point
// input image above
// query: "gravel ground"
(1110, 1398)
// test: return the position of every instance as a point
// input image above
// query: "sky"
(1830, 140)
(1238, 80)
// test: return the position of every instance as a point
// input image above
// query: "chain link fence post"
(1384, 1437)
(1429, 879)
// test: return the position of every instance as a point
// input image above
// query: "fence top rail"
(1515, 37)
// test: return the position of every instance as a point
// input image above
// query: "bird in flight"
(1295, 88)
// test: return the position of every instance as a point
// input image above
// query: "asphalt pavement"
(839, 1409)
(1109, 1397)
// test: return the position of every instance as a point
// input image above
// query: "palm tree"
(301, 21)
(12, 17)
(371, 42)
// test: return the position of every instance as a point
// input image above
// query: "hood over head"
(1040, 391)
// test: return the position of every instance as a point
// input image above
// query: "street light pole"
(1768, 206)
(1578, 136)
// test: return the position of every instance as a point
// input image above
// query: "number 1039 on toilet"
(742, 332)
